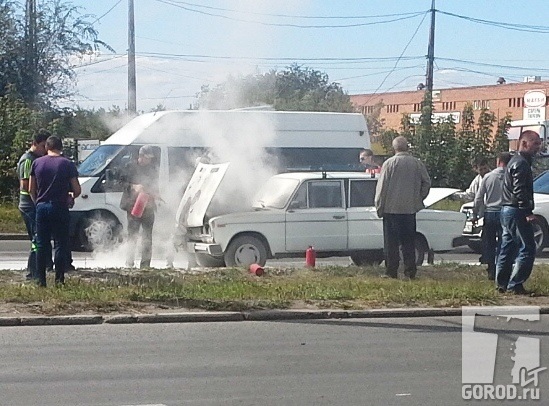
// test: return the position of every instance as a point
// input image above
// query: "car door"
(365, 227)
(317, 217)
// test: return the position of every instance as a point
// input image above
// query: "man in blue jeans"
(52, 178)
(487, 204)
(26, 205)
(518, 247)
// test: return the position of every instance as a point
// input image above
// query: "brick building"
(501, 99)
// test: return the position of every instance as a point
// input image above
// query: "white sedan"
(333, 212)
(473, 232)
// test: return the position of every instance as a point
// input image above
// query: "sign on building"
(454, 115)
(534, 105)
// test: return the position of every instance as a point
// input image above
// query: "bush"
(10, 219)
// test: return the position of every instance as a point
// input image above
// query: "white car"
(473, 232)
(333, 212)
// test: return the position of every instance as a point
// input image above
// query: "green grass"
(447, 285)
(10, 219)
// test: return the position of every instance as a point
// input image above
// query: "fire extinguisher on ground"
(310, 257)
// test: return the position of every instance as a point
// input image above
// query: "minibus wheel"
(98, 231)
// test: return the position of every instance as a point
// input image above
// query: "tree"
(293, 89)
(39, 63)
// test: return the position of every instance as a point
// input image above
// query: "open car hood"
(199, 194)
(436, 194)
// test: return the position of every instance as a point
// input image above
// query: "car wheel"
(244, 251)
(476, 246)
(540, 234)
(208, 261)
(367, 258)
(98, 231)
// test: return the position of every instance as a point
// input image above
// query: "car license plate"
(468, 228)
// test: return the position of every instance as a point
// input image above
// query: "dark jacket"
(518, 187)
(134, 174)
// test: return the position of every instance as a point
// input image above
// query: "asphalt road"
(13, 255)
(322, 362)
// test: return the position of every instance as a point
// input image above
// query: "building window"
(367, 109)
(392, 108)
(417, 106)
(481, 104)
(448, 106)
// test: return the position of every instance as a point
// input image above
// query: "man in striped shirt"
(26, 205)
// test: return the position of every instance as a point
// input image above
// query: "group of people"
(48, 185)
(504, 197)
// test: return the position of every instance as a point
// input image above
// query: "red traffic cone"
(257, 269)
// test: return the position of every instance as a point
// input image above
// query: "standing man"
(518, 246)
(26, 205)
(402, 186)
(481, 167)
(140, 178)
(488, 201)
(52, 178)
(366, 159)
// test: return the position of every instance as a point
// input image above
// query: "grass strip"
(446, 285)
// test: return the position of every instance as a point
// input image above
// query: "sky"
(368, 46)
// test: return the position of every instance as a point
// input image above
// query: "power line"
(400, 57)
(494, 65)
(380, 59)
(107, 12)
(540, 29)
(292, 15)
(171, 3)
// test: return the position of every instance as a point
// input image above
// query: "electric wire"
(391, 20)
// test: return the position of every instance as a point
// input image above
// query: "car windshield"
(275, 193)
(98, 160)
(541, 183)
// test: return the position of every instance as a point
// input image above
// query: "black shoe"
(28, 276)
(501, 290)
(385, 275)
(519, 290)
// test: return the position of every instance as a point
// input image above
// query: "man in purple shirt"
(53, 180)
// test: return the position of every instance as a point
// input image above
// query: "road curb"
(14, 237)
(206, 317)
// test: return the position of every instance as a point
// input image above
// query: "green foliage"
(448, 151)
(293, 89)
(40, 66)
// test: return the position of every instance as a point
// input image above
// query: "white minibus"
(250, 140)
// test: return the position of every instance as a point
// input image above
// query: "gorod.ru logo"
(479, 350)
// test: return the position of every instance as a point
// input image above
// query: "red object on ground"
(139, 205)
(310, 257)
(257, 269)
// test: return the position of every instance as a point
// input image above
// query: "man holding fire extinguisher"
(139, 201)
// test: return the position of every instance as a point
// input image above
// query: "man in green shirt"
(26, 205)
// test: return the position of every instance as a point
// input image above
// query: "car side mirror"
(295, 204)
(111, 178)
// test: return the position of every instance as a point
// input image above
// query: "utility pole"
(31, 54)
(132, 92)
(431, 50)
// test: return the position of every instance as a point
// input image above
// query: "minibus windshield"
(98, 160)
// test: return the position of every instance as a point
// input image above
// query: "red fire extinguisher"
(139, 205)
(310, 257)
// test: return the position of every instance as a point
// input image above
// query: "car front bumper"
(205, 248)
